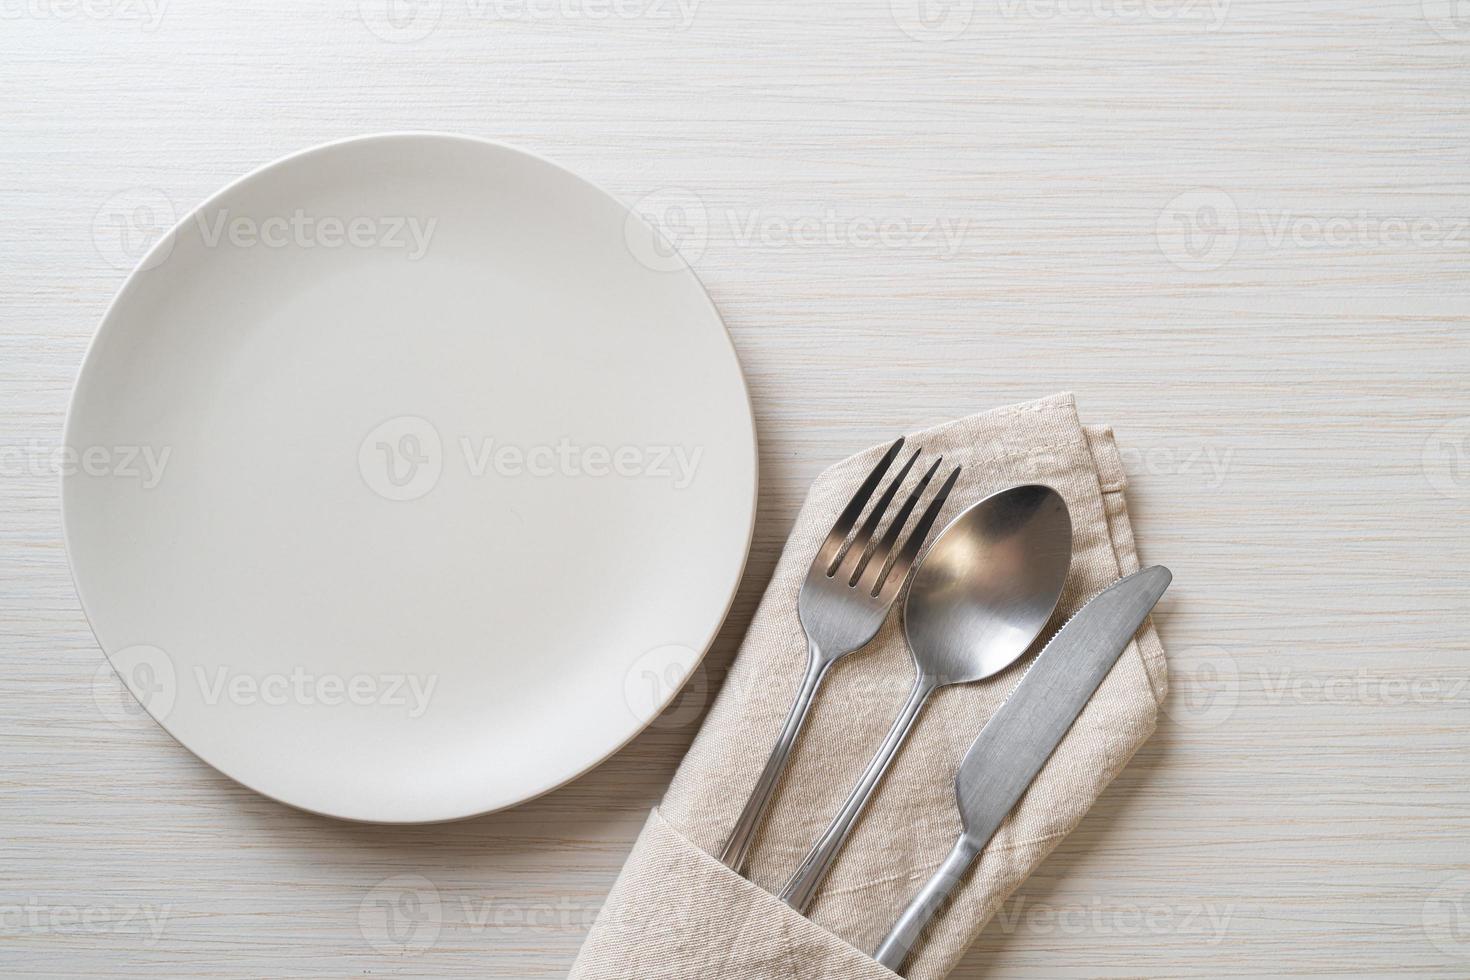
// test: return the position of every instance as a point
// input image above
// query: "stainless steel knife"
(1016, 742)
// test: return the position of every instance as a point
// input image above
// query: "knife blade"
(1018, 739)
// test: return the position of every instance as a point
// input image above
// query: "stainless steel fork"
(845, 598)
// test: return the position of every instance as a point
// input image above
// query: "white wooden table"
(1236, 228)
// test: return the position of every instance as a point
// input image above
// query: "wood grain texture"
(1237, 231)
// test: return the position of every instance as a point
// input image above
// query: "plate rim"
(145, 263)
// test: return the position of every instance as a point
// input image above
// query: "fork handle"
(737, 849)
(802, 887)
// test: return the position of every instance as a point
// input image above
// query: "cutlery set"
(976, 601)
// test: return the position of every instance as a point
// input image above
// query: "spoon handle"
(894, 949)
(738, 846)
(802, 887)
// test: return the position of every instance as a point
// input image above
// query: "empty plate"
(408, 477)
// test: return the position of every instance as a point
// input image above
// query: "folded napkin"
(676, 912)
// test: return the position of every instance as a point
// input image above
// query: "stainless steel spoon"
(979, 598)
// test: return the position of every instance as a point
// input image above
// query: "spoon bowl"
(989, 584)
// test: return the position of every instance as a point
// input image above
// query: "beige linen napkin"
(677, 913)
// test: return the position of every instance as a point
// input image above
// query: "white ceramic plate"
(408, 477)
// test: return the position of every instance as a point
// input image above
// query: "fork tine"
(885, 548)
(862, 541)
(827, 554)
(896, 569)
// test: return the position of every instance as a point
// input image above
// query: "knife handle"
(894, 950)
